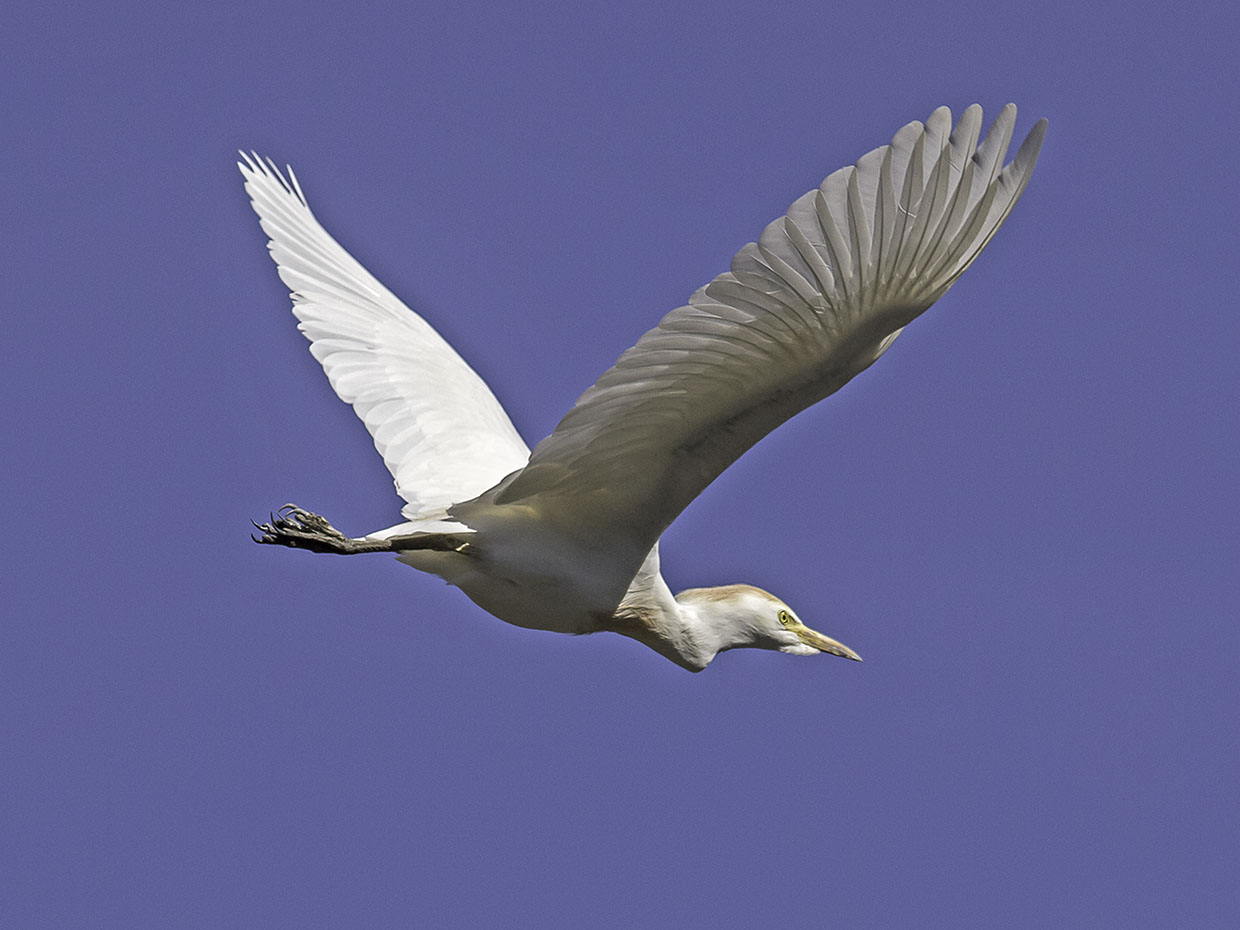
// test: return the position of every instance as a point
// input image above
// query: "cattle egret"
(565, 538)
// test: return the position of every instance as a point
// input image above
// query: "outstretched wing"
(819, 297)
(441, 432)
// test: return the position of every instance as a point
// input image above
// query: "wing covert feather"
(817, 299)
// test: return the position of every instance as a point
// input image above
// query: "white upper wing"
(441, 432)
(816, 300)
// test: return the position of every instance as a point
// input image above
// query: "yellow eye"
(785, 618)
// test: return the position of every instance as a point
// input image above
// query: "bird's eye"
(785, 618)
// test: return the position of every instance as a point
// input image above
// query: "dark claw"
(300, 529)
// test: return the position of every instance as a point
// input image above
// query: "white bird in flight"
(565, 538)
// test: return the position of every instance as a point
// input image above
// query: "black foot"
(301, 529)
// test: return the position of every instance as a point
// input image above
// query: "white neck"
(688, 628)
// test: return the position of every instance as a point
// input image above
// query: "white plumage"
(566, 538)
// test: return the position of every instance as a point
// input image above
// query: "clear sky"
(1024, 517)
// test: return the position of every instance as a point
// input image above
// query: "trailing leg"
(300, 529)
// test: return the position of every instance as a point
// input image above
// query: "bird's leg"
(301, 529)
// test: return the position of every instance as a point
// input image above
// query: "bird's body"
(565, 538)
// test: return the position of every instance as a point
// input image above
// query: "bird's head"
(741, 615)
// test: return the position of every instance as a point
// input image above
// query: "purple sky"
(1024, 517)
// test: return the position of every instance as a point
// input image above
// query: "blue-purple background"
(1025, 517)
